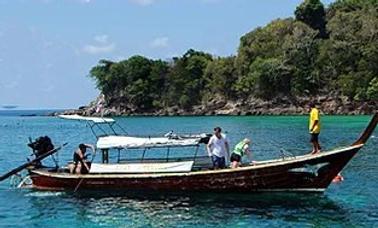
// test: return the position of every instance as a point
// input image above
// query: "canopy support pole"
(144, 152)
(111, 127)
(168, 154)
(94, 133)
(101, 129)
(195, 154)
(119, 155)
(122, 129)
(105, 156)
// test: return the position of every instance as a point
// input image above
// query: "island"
(324, 54)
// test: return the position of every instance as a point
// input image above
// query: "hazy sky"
(47, 47)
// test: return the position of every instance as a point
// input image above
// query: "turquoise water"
(351, 203)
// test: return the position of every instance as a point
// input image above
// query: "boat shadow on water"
(212, 209)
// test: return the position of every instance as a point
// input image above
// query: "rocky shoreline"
(280, 106)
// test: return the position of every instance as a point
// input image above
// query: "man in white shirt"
(218, 148)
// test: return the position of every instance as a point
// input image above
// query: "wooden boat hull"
(311, 173)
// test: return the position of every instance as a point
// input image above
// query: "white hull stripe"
(292, 190)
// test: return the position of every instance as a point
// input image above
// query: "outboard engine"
(41, 145)
(205, 139)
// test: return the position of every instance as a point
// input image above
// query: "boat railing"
(165, 151)
(99, 130)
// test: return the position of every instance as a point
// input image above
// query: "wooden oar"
(18, 169)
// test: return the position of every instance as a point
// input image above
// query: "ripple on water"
(43, 194)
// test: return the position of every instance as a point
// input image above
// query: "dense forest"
(321, 51)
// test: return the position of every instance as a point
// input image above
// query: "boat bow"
(368, 131)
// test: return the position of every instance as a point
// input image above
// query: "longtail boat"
(306, 173)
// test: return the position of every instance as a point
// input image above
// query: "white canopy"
(114, 141)
(85, 118)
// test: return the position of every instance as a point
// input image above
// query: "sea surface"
(351, 203)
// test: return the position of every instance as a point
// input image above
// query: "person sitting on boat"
(79, 157)
(240, 149)
(314, 128)
(218, 148)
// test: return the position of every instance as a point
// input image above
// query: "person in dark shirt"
(79, 157)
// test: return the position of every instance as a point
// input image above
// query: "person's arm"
(249, 154)
(314, 125)
(92, 147)
(208, 147)
(82, 161)
(316, 120)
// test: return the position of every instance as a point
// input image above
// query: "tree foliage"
(312, 13)
(220, 76)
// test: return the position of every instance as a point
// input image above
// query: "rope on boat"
(56, 161)
(283, 152)
(17, 181)
(78, 185)
(26, 181)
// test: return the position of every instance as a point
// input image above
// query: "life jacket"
(239, 148)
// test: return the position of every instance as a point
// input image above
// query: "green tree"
(157, 80)
(351, 5)
(186, 77)
(267, 79)
(220, 76)
(104, 81)
(300, 54)
(312, 13)
(372, 92)
(353, 49)
(263, 42)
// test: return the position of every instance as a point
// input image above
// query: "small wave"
(44, 194)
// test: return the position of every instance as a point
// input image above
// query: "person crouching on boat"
(218, 148)
(240, 149)
(79, 157)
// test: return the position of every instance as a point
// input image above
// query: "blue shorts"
(218, 162)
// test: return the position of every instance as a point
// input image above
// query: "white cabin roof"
(114, 141)
(98, 120)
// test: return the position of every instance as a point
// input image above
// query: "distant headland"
(328, 55)
(9, 106)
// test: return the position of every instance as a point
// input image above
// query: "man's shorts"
(218, 162)
(235, 157)
(314, 137)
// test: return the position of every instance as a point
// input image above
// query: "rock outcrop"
(330, 105)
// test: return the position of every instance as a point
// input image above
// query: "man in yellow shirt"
(314, 127)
